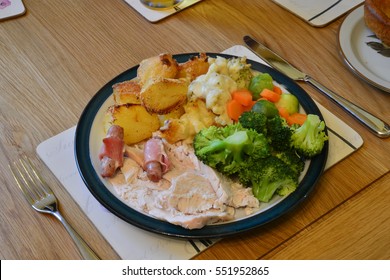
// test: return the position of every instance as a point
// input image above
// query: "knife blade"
(373, 123)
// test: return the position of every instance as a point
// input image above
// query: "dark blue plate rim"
(121, 210)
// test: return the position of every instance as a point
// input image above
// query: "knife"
(375, 125)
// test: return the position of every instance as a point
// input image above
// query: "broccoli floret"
(254, 120)
(275, 129)
(227, 148)
(259, 147)
(309, 139)
(295, 162)
(287, 187)
(279, 134)
(267, 177)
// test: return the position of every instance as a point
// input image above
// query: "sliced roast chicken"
(180, 190)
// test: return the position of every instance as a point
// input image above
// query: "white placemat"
(11, 8)
(133, 243)
(153, 15)
(318, 13)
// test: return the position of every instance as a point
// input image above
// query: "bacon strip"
(111, 152)
(156, 161)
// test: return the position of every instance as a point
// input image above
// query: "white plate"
(90, 131)
(363, 60)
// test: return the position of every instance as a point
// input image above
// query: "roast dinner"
(204, 141)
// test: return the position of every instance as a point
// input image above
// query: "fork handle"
(83, 247)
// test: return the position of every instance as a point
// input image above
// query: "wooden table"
(60, 53)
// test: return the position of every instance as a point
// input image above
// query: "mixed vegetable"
(267, 145)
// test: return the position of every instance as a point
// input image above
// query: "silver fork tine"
(22, 183)
(42, 199)
(43, 189)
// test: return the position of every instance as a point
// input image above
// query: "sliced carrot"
(283, 112)
(270, 95)
(243, 96)
(234, 109)
(277, 89)
(249, 107)
(296, 118)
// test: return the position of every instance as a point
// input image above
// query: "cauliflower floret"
(215, 87)
(236, 68)
(219, 65)
(240, 71)
(216, 90)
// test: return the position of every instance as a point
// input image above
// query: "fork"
(43, 200)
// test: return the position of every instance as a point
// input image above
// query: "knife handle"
(376, 125)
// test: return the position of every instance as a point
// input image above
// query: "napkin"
(154, 15)
(318, 13)
(131, 242)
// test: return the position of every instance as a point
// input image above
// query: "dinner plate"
(361, 49)
(88, 141)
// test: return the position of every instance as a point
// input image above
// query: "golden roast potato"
(161, 66)
(138, 124)
(127, 92)
(194, 67)
(163, 95)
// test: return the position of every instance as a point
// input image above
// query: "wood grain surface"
(60, 53)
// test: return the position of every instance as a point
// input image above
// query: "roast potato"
(194, 67)
(163, 95)
(127, 92)
(175, 114)
(138, 124)
(195, 118)
(161, 66)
